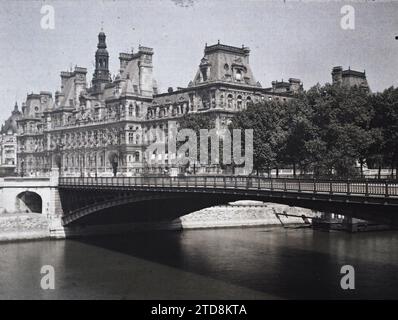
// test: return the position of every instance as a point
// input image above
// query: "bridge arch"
(370, 200)
(141, 207)
(28, 201)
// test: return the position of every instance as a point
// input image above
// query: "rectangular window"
(131, 137)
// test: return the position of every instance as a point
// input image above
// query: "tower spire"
(101, 74)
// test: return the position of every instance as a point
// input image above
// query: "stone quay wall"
(23, 226)
(26, 226)
(238, 214)
(245, 214)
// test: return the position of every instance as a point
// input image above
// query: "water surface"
(249, 263)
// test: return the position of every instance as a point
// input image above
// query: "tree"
(269, 136)
(196, 122)
(300, 132)
(384, 124)
(326, 129)
(113, 159)
(341, 118)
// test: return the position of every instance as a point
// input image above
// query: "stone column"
(54, 210)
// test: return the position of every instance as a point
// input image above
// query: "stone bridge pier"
(34, 195)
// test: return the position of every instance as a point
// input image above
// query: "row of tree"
(327, 130)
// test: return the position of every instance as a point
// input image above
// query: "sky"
(288, 38)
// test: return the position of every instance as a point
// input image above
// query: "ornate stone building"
(349, 78)
(8, 143)
(95, 130)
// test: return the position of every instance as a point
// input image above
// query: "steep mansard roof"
(222, 62)
(10, 124)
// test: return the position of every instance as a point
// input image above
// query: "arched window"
(213, 100)
(229, 101)
(239, 102)
(249, 101)
(137, 156)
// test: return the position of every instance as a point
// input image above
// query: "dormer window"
(204, 74)
(204, 69)
(238, 75)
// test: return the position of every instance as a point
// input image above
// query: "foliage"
(269, 138)
(384, 150)
(113, 159)
(197, 121)
(327, 129)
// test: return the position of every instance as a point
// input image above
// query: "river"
(247, 263)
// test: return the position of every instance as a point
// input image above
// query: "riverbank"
(245, 214)
(31, 226)
(23, 226)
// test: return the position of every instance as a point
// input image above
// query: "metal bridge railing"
(380, 188)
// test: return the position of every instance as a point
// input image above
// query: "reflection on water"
(252, 263)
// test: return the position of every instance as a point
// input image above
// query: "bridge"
(164, 197)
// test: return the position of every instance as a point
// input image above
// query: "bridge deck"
(371, 188)
(369, 192)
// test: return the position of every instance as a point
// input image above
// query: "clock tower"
(101, 73)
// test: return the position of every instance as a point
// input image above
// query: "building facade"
(349, 78)
(8, 143)
(104, 128)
